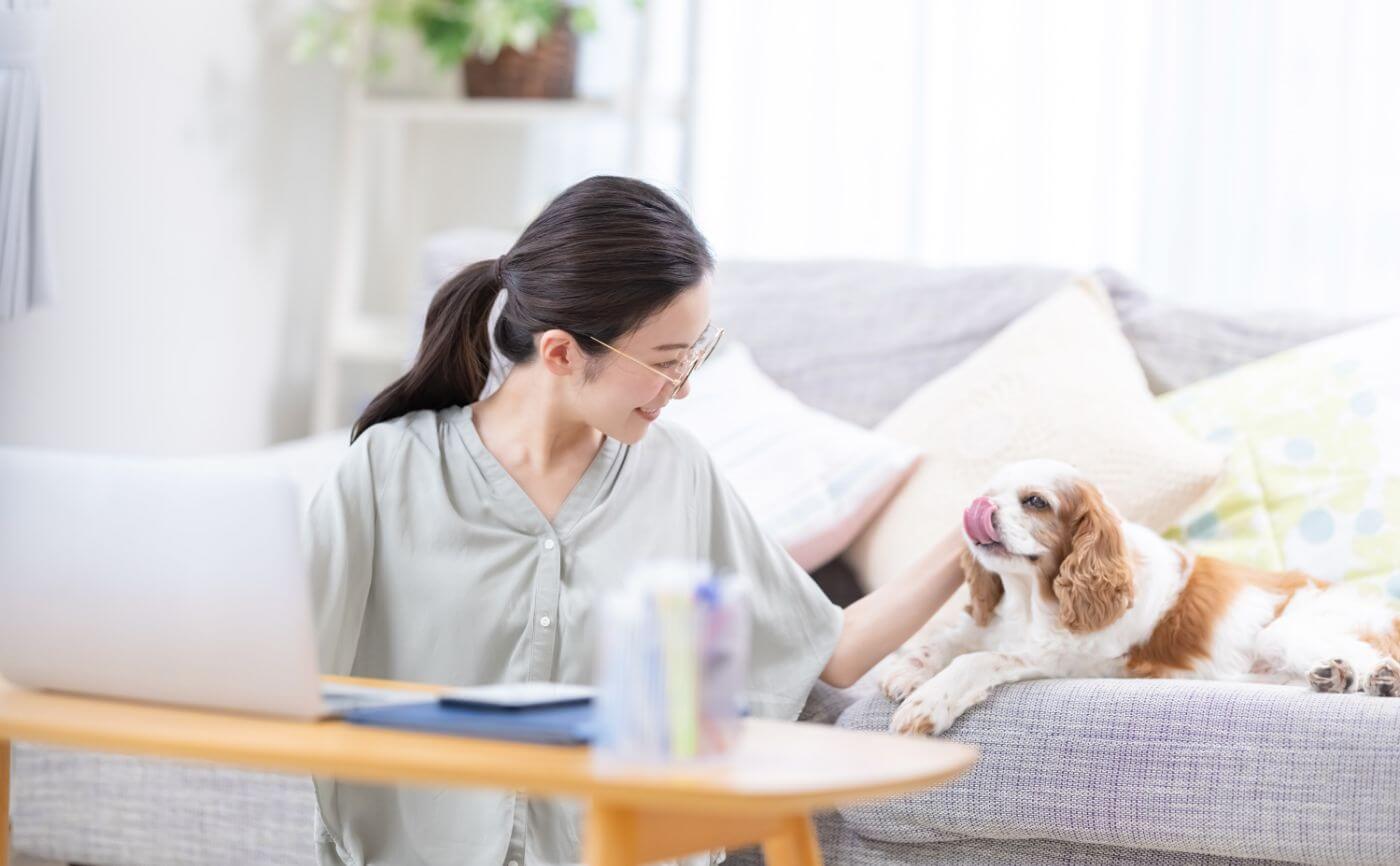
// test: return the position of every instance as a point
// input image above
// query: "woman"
(463, 539)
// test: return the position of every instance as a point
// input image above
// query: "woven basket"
(545, 72)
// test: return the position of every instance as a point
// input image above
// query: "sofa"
(1073, 771)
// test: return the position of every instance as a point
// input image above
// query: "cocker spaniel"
(1062, 586)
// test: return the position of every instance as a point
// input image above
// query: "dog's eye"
(1035, 502)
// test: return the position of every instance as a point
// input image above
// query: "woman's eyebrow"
(681, 345)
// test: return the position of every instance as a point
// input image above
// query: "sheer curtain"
(24, 254)
(1241, 154)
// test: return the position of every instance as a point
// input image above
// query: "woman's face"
(624, 398)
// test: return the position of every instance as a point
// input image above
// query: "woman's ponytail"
(454, 357)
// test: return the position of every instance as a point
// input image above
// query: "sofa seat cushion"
(1245, 770)
(841, 844)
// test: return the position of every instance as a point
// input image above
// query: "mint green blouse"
(430, 563)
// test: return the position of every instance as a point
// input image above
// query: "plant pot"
(544, 72)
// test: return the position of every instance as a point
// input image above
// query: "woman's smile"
(649, 415)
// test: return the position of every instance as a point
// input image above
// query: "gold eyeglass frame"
(674, 381)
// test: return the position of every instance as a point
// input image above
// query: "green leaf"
(448, 30)
(584, 19)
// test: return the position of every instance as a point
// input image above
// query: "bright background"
(1231, 154)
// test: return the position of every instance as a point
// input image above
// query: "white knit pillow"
(1061, 382)
(811, 480)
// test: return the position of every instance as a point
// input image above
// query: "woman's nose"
(683, 392)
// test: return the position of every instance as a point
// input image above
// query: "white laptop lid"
(178, 581)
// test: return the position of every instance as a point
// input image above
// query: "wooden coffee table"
(781, 772)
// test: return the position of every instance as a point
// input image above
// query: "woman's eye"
(666, 365)
(1035, 502)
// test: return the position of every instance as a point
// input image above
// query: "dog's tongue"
(977, 520)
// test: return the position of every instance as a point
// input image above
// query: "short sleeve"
(795, 625)
(341, 525)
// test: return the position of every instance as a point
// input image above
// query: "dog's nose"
(977, 521)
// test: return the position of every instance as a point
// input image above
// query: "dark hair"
(600, 259)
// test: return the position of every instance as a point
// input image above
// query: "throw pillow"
(811, 480)
(1313, 477)
(1061, 382)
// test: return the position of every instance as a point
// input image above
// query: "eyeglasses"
(693, 357)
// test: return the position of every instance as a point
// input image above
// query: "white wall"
(192, 183)
(194, 180)
(194, 176)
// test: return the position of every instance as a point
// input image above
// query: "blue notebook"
(568, 724)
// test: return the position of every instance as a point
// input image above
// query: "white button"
(513, 863)
(549, 544)
(544, 621)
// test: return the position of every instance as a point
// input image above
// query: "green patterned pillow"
(1313, 477)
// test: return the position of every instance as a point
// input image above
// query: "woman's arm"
(877, 624)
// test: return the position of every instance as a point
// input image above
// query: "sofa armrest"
(826, 703)
(1214, 768)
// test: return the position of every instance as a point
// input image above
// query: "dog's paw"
(904, 674)
(919, 715)
(1333, 675)
(926, 711)
(1384, 681)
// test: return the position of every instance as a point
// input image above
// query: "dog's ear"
(983, 588)
(1095, 583)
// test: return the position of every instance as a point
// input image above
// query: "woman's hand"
(879, 623)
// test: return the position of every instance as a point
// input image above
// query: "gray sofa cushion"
(1179, 345)
(855, 338)
(1234, 770)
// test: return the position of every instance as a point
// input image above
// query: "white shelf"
(371, 337)
(438, 110)
(356, 335)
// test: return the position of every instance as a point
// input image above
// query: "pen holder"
(672, 656)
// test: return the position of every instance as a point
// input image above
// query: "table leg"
(793, 845)
(4, 803)
(616, 835)
(609, 836)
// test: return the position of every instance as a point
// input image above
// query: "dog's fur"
(1070, 589)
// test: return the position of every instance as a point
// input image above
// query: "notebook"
(519, 696)
(555, 724)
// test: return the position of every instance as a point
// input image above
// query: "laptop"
(176, 581)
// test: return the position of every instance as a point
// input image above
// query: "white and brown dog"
(1062, 586)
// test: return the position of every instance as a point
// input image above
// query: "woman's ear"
(983, 588)
(1094, 584)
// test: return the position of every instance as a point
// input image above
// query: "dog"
(1060, 585)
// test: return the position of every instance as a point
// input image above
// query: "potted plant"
(505, 48)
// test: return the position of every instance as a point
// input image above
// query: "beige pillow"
(1062, 382)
